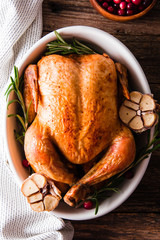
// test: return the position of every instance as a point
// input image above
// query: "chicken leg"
(119, 156)
(43, 157)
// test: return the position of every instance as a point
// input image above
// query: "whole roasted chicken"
(74, 119)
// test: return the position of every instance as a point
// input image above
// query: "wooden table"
(139, 217)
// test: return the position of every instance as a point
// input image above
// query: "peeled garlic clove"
(41, 193)
(139, 112)
(29, 187)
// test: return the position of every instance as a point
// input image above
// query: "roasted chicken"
(74, 117)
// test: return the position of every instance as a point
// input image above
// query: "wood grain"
(126, 226)
(139, 217)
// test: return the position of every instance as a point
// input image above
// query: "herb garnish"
(16, 86)
(62, 47)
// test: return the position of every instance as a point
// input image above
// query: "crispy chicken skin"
(76, 113)
(77, 96)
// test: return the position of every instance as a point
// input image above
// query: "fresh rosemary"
(60, 46)
(114, 182)
(16, 87)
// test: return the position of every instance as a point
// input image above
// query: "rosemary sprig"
(114, 182)
(62, 47)
(16, 85)
(101, 194)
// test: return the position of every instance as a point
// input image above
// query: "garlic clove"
(50, 202)
(147, 103)
(136, 97)
(126, 114)
(35, 197)
(39, 179)
(29, 187)
(37, 207)
(131, 105)
(136, 123)
(149, 119)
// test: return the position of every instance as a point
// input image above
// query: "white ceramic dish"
(117, 51)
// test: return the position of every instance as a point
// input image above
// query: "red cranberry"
(105, 5)
(117, 1)
(128, 1)
(88, 204)
(25, 163)
(122, 5)
(129, 12)
(130, 6)
(121, 12)
(110, 9)
(136, 2)
(129, 174)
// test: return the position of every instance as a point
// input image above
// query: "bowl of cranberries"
(123, 10)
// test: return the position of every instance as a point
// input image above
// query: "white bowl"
(104, 42)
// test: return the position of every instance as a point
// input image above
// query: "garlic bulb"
(41, 193)
(139, 112)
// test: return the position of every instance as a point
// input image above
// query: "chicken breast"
(78, 103)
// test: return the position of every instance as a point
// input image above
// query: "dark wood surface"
(139, 217)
